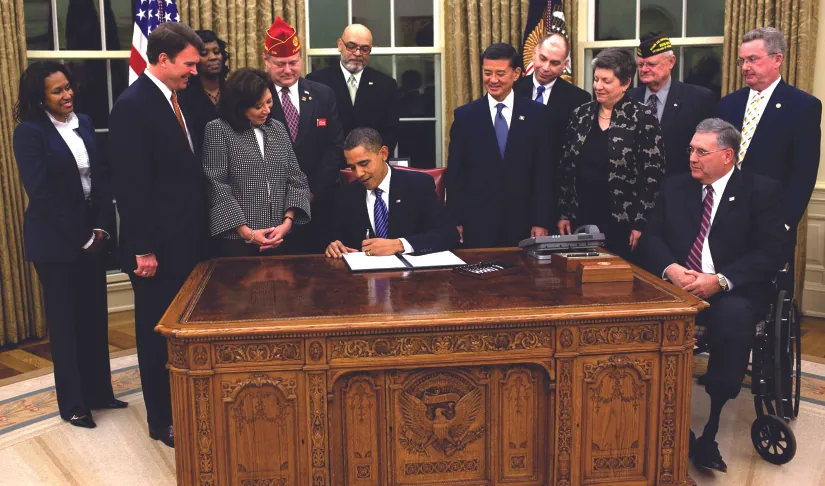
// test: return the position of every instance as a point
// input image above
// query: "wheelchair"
(775, 371)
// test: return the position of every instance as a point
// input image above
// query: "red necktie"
(290, 113)
(694, 259)
(178, 114)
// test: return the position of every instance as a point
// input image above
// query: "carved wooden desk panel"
(293, 371)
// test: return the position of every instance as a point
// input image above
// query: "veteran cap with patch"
(652, 44)
(281, 40)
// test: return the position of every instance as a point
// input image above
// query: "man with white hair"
(779, 123)
(365, 97)
(678, 106)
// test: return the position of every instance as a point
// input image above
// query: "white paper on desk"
(439, 259)
(360, 262)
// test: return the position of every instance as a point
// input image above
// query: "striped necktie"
(381, 215)
(752, 117)
(540, 94)
(694, 259)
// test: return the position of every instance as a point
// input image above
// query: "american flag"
(148, 15)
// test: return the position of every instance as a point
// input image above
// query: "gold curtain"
(797, 19)
(243, 24)
(571, 17)
(471, 26)
(21, 303)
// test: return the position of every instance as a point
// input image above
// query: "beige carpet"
(44, 450)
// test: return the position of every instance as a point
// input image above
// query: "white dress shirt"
(547, 88)
(385, 196)
(347, 74)
(167, 93)
(259, 136)
(67, 131)
(293, 96)
(506, 112)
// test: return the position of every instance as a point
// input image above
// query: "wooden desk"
(292, 371)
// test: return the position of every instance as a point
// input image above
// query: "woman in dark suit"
(256, 188)
(613, 158)
(70, 203)
(200, 98)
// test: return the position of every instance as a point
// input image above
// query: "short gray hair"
(727, 136)
(617, 60)
(773, 38)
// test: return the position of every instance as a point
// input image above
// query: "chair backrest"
(348, 176)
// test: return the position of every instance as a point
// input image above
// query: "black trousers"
(77, 317)
(731, 324)
(152, 297)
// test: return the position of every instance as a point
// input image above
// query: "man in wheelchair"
(718, 233)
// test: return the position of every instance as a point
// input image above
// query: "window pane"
(706, 18)
(662, 16)
(78, 25)
(327, 19)
(91, 90)
(320, 62)
(413, 23)
(375, 14)
(703, 66)
(120, 77)
(39, 35)
(615, 19)
(381, 63)
(417, 143)
(416, 86)
(120, 21)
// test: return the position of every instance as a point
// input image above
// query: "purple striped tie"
(290, 113)
(694, 259)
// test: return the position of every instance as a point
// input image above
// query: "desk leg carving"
(318, 427)
(203, 414)
(565, 421)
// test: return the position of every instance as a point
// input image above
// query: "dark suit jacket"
(58, 222)
(198, 107)
(686, 106)
(376, 102)
(785, 145)
(746, 237)
(159, 183)
(320, 142)
(416, 214)
(564, 98)
(498, 201)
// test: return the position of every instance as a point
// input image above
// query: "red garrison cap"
(281, 40)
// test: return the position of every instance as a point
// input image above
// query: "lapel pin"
(779, 105)
(310, 98)
(731, 198)
(675, 104)
(306, 92)
(303, 98)
(397, 201)
(521, 117)
(370, 83)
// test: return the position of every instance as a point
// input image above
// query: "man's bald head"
(550, 58)
(355, 45)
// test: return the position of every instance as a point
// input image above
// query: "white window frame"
(437, 50)
(587, 24)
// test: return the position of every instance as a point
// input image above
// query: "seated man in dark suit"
(387, 211)
(717, 233)
(678, 106)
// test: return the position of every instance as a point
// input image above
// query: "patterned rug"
(38, 448)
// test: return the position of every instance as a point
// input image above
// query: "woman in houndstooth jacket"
(257, 191)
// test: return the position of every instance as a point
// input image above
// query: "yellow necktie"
(749, 126)
(353, 88)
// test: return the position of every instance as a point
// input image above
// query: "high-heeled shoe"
(82, 420)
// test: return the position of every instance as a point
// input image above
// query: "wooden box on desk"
(615, 270)
(569, 261)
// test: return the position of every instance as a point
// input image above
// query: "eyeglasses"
(353, 47)
(753, 59)
(651, 65)
(703, 152)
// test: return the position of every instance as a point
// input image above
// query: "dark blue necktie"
(540, 94)
(501, 130)
(381, 215)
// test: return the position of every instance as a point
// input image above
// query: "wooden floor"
(35, 355)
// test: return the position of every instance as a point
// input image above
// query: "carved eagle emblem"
(442, 420)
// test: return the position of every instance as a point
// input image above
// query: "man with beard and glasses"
(365, 97)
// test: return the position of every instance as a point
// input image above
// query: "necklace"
(214, 97)
(603, 117)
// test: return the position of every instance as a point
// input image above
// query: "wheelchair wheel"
(796, 350)
(773, 439)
